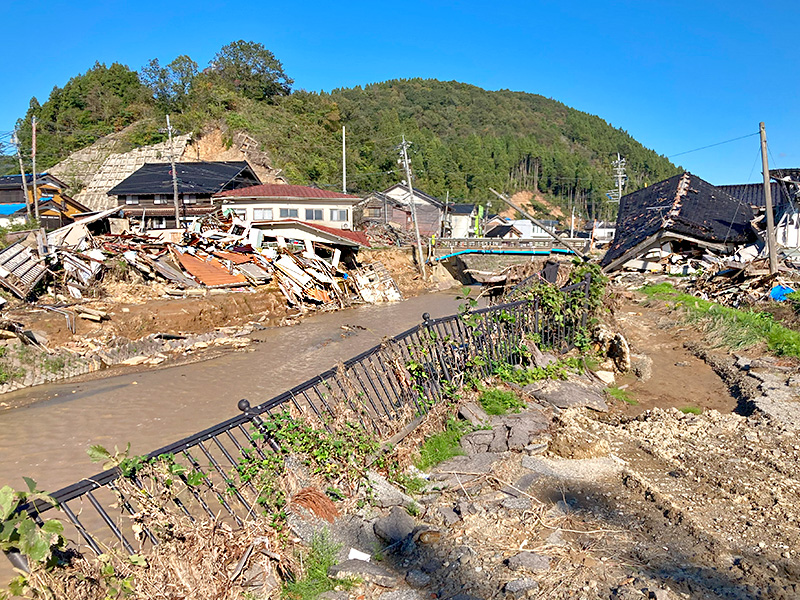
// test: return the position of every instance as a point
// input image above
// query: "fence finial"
(244, 405)
(426, 317)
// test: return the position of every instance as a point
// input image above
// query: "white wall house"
(274, 202)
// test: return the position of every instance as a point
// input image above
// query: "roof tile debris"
(681, 207)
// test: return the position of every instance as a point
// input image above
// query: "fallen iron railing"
(398, 380)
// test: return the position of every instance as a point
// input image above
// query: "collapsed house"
(312, 265)
(678, 218)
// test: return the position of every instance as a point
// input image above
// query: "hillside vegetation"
(465, 139)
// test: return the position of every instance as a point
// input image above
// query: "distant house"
(56, 208)
(682, 212)
(501, 228)
(148, 193)
(273, 202)
(393, 206)
(460, 220)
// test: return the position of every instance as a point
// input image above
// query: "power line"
(712, 145)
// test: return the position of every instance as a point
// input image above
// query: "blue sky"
(675, 75)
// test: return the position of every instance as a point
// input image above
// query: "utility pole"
(344, 163)
(620, 178)
(406, 165)
(33, 156)
(552, 234)
(174, 178)
(15, 141)
(773, 254)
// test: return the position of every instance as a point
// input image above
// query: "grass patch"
(557, 370)
(315, 580)
(735, 328)
(441, 446)
(622, 395)
(499, 402)
(691, 410)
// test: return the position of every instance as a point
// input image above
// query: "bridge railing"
(383, 390)
(532, 243)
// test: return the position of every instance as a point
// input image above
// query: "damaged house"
(682, 214)
(147, 195)
(393, 207)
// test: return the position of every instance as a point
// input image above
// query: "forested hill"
(465, 139)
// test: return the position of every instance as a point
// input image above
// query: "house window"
(313, 214)
(338, 214)
(240, 213)
(371, 212)
(131, 199)
(160, 199)
(190, 199)
(158, 223)
(288, 213)
(262, 214)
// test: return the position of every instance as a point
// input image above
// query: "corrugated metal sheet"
(210, 271)
(20, 269)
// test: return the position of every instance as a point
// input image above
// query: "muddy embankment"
(145, 327)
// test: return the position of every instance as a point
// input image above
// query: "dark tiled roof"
(499, 231)
(683, 204)
(193, 178)
(285, 191)
(753, 193)
(460, 209)
(14, 182)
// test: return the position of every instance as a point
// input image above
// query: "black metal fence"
(384, 389)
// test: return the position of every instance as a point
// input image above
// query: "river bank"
(142, 326)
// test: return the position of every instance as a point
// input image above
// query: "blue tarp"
(7, 209)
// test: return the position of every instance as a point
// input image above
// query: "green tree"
(172, 84)
(252, 70)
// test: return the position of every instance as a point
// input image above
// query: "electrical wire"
(713, 145)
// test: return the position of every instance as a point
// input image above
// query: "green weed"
(499, 402)
(441, 446)
(691, 410)
(733, 327)
(315, 580)
(622, 395)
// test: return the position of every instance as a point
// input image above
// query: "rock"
(478, 463)
(366, 571)
(520, 588)
(394, 527)
(659, 595)
(386, 495)
(417, 578)
(543, 360)
(584, 470)
(473, 414)
(400, 595)
(529, 561)
(449, 515)
(568, 394)
(477, 442)
(521, 485)
(334, 595)
(499, 441)
(620, 352)
(431, 565)
(524, 427)
(516, 503)
(575, 442)
(642, 366)
(556, 539)
(606, 377)
(135, 360)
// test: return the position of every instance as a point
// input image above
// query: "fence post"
(587, 281)
(244, 406)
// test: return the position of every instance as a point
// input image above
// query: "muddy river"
(47, 439)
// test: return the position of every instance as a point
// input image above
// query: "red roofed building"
(274, 202)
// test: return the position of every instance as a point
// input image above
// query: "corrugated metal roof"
(21, 269)
(210, 271)
(284, 191)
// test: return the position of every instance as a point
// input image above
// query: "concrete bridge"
(458, 255)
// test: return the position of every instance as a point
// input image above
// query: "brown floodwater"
(47, 438)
